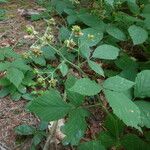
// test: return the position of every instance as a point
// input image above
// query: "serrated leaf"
(15, 76)
(118, 84)
(50, 106)
(144, 107)
(124, 108)
(116, 32)
(135, 31)
(142, 86)
(91, 145)
(74, 98)
(86, 40)
(114, 125)
(63, 69)
(75, 131)
(25, 130)
(86, 87)
(106, 51)
(96, 67)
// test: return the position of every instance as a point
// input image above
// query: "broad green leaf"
(15, 76)
(25, 130)
(50, 106)
(4, 92)
(39, 60)
(118, 84)
(38, 138)
(86, 87)
(133, 142)
(64, 33)
(75, 127)
(142, 86)
(16, 96)
(63, 69)
(144, 107)
(116, 32)
(92, 21)
(48, 52)
(134, 8)
(106, 51)
(20, 64)
(124, 108)
(85, 51)
(138, 34)
(91, 145)
(126, 62)
(107, 139)
(75, 98)
(4, 66)
(86, 38)
(7, 52)
(114, 125)
(96, 67)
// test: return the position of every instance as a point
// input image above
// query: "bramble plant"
(97, 58)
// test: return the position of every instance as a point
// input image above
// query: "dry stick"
(51, 135)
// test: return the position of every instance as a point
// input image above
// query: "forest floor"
(12, 33)
(12, 113)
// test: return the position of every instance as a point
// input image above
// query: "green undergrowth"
(101, 56)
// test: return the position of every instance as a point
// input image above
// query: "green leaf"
(118, 84)
(20, 64)
(96, 67)
(25, 130)
(4, 66)
(142, 86)
(39, 60)
(133, 142)
(7, 52)
(38, 138)
(3, 1)
(75, 98)
(107, 139)
(110, 2)
(116, 32)
(144, 107)
(86, 87)
(4, 92)
(15, 96)
(92, 145)
(85, 51)
(124, 108)
(114, 125)
(75, 131)
(15, 76)
(63, 69)
(86, 40)
(50, 106)
(135, 31)
(92, 21)
(48, 52)
(106, 51)
(64, 33)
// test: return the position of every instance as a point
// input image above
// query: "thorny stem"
(66, 60)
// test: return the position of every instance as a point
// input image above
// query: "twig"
(51, 135)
